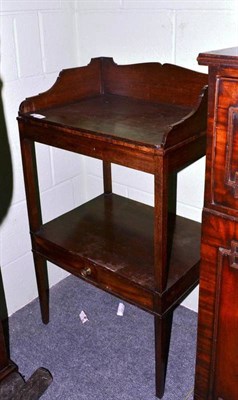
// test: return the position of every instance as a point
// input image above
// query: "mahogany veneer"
(217, 348)
(149, 117)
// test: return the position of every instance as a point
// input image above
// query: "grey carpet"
(107, 358)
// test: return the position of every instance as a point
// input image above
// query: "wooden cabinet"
(144, 116)
(217, 349)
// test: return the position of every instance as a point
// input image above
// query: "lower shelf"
(114, 235)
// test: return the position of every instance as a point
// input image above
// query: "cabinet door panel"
(225, 145)
(225, 348)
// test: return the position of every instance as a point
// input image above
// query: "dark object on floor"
(12, 384)
(15, 388)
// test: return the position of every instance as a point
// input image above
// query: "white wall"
(38, 39)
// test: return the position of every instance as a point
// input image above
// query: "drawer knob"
(86, 271)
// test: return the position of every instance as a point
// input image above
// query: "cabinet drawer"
(224, 174)
(218, 229)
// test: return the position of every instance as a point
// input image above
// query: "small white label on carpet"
(121, 309)
(83, 317)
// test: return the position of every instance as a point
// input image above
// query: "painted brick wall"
(38, 39)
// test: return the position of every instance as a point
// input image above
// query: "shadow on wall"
(6, 189)
(6, 174)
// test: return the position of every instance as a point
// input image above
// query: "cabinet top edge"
(228, 57)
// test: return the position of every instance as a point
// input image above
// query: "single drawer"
(97, 275)
(224, 168)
